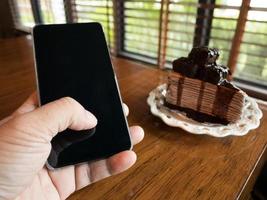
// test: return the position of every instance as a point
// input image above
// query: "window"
(224, 23)
(158, 31)
(96, 11)
(27, 13)
(22, 11)
(52, 11)
(141, 28)
(252, 59)
(181, 26)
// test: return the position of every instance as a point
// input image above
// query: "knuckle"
(70, 103)
(68, 100)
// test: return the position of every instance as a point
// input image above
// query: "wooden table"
(172, 164)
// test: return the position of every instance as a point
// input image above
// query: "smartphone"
(73, 60)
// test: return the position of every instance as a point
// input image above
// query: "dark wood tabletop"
(172, 164)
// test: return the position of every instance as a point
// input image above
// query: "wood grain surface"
(172, 164)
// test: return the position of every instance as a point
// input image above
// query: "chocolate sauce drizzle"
(199, 101)
(219, 108)
(180, 91)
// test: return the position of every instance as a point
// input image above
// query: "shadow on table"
(260, 189)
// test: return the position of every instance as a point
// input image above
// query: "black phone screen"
(73, 60)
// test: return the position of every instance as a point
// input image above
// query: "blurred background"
(158, 31)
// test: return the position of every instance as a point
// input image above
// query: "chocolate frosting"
(201, 64)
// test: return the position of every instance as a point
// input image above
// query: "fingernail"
(91, 117)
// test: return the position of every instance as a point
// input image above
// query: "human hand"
(25, 146)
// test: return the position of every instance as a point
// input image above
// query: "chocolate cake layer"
(216, 101)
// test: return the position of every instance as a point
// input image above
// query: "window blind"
(49, 11)
(22, 13)
(96, 11)
(52, 11)
(180, 31)
(223, 27)
(141, 28)
(252, 58)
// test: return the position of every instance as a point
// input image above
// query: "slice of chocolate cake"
(198, 87)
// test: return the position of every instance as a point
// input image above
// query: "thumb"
(45, 122)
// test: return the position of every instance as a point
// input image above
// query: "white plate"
(250, 118)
